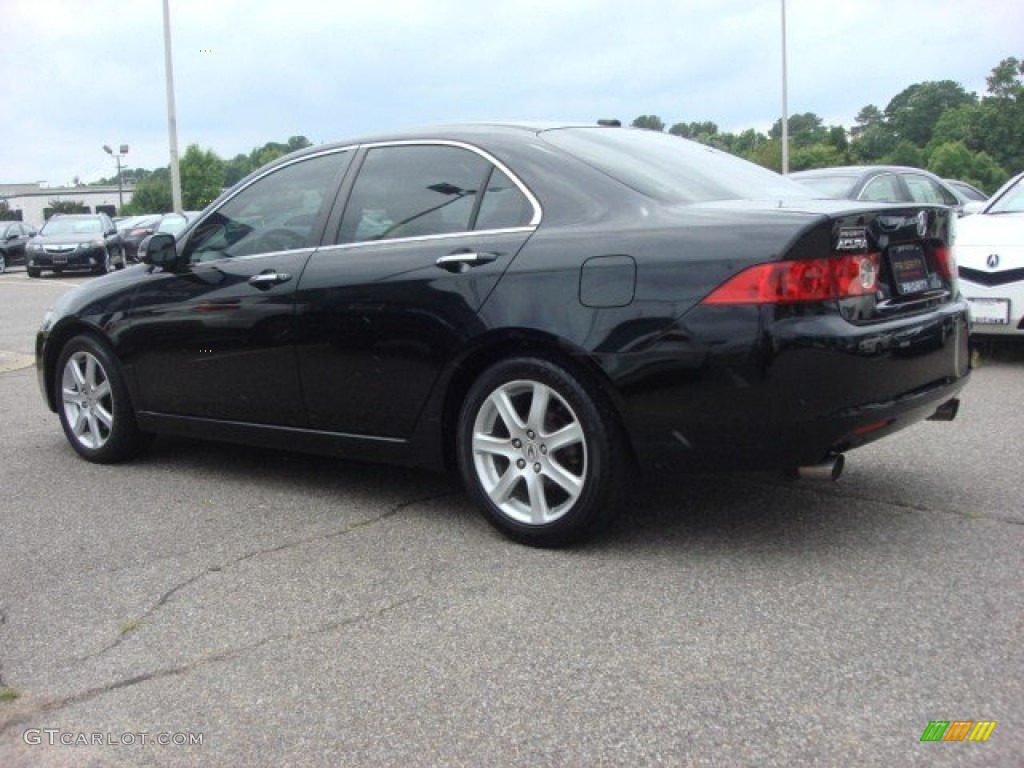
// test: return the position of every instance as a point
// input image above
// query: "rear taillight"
(787, 282)
(945, 262)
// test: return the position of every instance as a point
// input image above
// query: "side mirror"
(158, 250)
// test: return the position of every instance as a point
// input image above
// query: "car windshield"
(1011, 201)
(672, 169)
(72, 227)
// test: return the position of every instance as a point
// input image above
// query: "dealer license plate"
(909, 268)
(990, 311)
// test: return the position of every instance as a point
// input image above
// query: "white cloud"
(248, 71)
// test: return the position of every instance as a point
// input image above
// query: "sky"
(78, 74)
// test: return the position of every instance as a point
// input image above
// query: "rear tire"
(93, 403)
(540, 452)
(32, 272)
(3, 262)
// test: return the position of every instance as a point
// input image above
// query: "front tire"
(541, 452)
(3, 262)
(104, 266)
(93, 404)
(32, 272)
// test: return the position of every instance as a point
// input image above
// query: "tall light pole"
(172, 120)
(785, 99)
(122, 151)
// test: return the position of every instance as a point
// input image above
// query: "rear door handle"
(461, 261)
(269, 277)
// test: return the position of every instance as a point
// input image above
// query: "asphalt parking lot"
(249, 607)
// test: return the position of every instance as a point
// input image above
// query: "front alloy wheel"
(94, 408)
(541, 457)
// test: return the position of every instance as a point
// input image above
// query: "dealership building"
(32, 203)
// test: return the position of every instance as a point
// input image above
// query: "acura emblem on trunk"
(922, 224)
(992, 260)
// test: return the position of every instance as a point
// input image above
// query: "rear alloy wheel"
(32, 272)
(539, 454)
(3, 263)
(93, 403)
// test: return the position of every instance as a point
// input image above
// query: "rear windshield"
(670, 168)
(828, 186)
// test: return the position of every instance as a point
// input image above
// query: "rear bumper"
(795, 389)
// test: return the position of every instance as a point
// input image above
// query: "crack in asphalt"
(166, 596)
(89, 694)
(906, 505)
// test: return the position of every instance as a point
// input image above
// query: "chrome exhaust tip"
(947, 411)
(828, 470)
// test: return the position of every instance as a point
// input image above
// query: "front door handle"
(269, 277)
(463, 260)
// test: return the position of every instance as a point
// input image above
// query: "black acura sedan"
(545, 309)
(75, 241)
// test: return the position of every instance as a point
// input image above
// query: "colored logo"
(958, 730)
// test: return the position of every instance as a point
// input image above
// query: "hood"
(991, 230)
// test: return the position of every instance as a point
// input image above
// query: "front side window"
(277, 212)
(413, 191)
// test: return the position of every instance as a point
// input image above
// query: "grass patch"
(8, 694)
(130, 626)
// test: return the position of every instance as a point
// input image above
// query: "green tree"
(952, 160)
(202, 177)
(906, 153)
(236, 169)
(804, 130)
(814, 156)
(650, 122)
(66, 206)
(1001, 126)
(871, 137)
(151, 195)
(912, 113)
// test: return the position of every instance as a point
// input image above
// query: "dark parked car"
(134, 230)
(75, 241)
(880, 184)
(13, 237)
(967, 192)
(544, 309)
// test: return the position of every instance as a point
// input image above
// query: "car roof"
(857, 170)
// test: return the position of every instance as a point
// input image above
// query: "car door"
(426, 233)
(216, 339)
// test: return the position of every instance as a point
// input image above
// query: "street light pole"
(785, 99)
(122, 151)
(172, 120)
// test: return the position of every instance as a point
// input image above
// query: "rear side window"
(924, 190)
(413, 191)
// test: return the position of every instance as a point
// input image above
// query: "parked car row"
(90, 242)
(888, 184)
